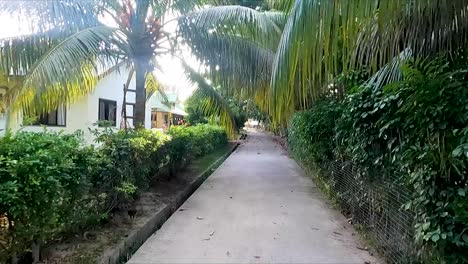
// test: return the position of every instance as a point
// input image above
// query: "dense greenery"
(241, 110)
(44, 187)
(412, 133)
(51, 183)
(63, 61)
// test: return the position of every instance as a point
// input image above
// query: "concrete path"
(258, 207)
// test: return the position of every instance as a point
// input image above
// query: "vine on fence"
(410, 136)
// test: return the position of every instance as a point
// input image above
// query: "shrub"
(412, 134)
(127, 161)
(311, 132)
(43, 184)
(202, 138)
(51, 183)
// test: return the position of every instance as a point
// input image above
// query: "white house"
(104, 104)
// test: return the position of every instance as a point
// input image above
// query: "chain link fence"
(375, 206)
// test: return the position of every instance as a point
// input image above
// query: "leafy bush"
(414, 133)
(128, 160)
(43, 187)
(311, 132)
(51, 183)
(201, 139)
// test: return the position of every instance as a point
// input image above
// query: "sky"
(173, 76)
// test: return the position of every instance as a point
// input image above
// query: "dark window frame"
(107, 104)
(43, 120)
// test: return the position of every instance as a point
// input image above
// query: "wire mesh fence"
(376, 206)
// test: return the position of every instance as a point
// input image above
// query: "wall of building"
(160, 117)
(84, 113)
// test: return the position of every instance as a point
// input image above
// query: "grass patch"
(201, 164)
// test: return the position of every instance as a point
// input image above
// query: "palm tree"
(325, 38)
(77, 42)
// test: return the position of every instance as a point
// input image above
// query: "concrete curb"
(122, 252)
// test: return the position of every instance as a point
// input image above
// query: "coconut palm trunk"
(64, 61)
(140, 95)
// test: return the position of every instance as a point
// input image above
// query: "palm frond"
(283, 5)
(259, 26)
(67, 71)
(44, 15)
(19, 53)
(390, 72)
(325, 38)
(162, 8)
(213, 103)
(233, 61)
(153, 86)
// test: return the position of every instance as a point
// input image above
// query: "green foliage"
(310, 134)
(44, 186)
(239, 109)
(128, 160)
(195, 114)
(412, 133)
(50, 183)
(199, 140)
(255, 4)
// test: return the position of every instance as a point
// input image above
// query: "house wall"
(83, 114)
(160, 119)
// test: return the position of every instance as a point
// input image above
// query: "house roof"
(179, 110)
(171, 106)
(172, 98)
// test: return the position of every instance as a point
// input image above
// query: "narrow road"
(257, 207)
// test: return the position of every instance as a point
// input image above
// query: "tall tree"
(324, 38)
(76, 42)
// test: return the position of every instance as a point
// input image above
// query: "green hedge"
(52, 183)
(310, 133)
(414, 134)
(44, 187)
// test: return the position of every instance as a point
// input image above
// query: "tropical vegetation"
(75, 43)
(381, 83)
(377, 83)
(52, 184)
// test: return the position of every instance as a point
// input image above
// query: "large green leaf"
(68, 71)
(325, 38)
(213, 104)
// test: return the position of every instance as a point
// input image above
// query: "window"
(108, 111)
(53, 118)
(154, 119)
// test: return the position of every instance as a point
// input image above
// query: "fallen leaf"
(257, 257)
(199, 218)
(206, 239)
(337, 233)
(212, 233)
(364, 248)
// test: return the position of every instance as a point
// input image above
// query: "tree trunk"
(140, 98)
(36, 251)
(14, 259)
